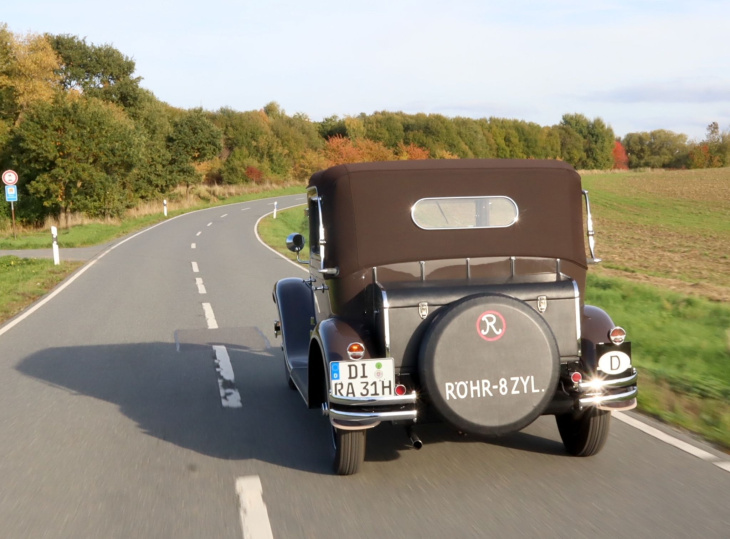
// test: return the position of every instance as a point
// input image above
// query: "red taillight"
(356, 351)
(617, 335)
(400, 389)
(576, 377)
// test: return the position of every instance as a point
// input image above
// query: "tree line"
(84, 136)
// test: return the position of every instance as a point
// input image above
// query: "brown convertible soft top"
(367, 211)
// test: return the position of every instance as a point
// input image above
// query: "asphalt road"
(113, 423)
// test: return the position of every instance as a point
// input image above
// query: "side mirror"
(295, 243)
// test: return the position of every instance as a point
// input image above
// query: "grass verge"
(274, 231)
(24, 280)
(681, 348)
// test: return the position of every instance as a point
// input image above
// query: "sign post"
(10, 178)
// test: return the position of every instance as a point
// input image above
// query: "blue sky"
(637, 64)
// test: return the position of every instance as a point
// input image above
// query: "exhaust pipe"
(415, 440)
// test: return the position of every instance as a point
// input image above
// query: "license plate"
(366, 378)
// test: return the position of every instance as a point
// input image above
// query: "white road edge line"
(230, 397)
(65, 284)
(254, 516)
(195, 267)
(200, 285)
(671, 440)
(209, 316)
(256, 231)
(10, 325)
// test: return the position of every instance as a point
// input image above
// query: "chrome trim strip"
(616, 397)
(598, 385)
(589, 231)
(374, 401)
(367, 417)
(578, 313)
(386, 319)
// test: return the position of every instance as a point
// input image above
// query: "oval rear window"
(464, 212)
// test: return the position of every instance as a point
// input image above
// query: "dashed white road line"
(244, 209)
(200, 285)
(199, 233)
(224, 215)
(230, 397)
(195, 267)
(254, 516)
(192, 246)
(209, 223)
(671, 440)
(209, 316)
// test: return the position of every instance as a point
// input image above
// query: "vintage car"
(451, 290)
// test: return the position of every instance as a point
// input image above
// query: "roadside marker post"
(56, 257)
(164, 204)
(276, 205)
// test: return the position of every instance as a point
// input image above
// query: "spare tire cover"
(489, 364)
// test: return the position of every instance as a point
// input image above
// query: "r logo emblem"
(491, 326)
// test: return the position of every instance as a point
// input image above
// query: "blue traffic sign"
(11, 193)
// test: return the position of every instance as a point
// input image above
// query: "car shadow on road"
(173, 396)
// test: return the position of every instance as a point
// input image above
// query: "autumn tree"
(656, 149)
(28, 75)
(620, 159)
(76, 155)
(598, 141)
(96, 70)
(193, 139)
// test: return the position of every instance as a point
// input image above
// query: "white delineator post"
(164, 204)
(56, 257)
(276, 205)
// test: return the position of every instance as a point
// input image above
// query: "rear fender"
(596, 324)
(330, 340)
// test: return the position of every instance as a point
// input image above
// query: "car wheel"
(349, 450)
(585, 434)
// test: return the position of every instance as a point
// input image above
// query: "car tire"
(585, 434)
(349, 450)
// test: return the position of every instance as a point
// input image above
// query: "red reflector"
(400, 389)
(356, 350)
(576, 377)
(617, 335)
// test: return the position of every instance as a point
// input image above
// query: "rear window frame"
(475, 197)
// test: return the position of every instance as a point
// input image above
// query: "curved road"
(147, 399)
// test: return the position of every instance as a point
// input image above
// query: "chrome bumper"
(362, 412)
(609, 393)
